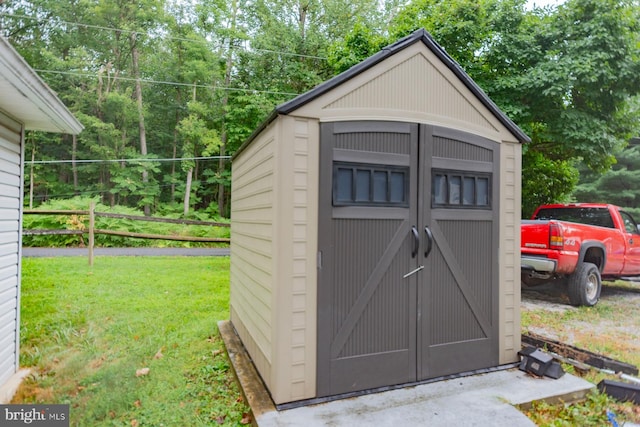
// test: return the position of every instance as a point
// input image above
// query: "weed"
(610, 328)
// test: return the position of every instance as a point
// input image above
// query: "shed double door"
(407, 261)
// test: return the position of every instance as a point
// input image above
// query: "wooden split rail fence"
(92, 231)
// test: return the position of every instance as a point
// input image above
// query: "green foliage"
(618, 186)
(357, 45)
(212, 72)
(85, 331)
(593, 412)
(545, 181)
(81, 222)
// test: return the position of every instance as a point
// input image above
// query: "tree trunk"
(187, 189)
(74, 167)
(225, 102)
(143, 133)
(32, 176)
(187, 192)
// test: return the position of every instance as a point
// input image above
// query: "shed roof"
(28, 99)
(417, 36)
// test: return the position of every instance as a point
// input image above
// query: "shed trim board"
(291, 194)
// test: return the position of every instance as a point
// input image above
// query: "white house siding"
(10, 238)
(252, 228)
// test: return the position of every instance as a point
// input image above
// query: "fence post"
(92, 226)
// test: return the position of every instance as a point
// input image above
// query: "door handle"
(416, 241)
(429, 241)
(412, 272)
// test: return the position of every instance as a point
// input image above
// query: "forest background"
(168, 89)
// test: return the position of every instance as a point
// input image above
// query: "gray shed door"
(407, 283)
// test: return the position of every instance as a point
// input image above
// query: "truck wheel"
(584, 285)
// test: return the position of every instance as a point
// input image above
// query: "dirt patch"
(611, 328)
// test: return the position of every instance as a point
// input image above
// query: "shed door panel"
(366, 310)
(388, 311)
(459, 288)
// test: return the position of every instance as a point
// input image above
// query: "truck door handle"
(429, 241)
(416, 241)
(631, 241)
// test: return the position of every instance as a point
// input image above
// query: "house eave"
(27, 98)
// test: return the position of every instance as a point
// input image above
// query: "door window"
(456, 189)
(357, 184)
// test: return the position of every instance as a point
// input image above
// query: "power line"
(42, 162)
(98, 27)
(161, 82)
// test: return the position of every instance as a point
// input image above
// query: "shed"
(375, 230)
(26, 103)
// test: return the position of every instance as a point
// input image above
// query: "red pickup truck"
(579, 244)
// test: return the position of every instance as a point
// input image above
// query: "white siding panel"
(8, 341)
(9, 165)
(7, 369)
(9, 202)
(9, 260)
(9, 237)
(9, 272)
(10, 224)
(9, 179)
(7, 283)
(8, 248)
(8, 301)
(9, 139)
(10, 214)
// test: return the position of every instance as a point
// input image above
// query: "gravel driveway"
(611, 328)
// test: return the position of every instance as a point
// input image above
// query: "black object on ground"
(592, 359)
(624, 392)
(536, 361)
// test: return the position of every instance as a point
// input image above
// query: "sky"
(543, 3)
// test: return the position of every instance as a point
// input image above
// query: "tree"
(566, 78)
(198, 138)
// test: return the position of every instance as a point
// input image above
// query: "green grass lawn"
(87, 331)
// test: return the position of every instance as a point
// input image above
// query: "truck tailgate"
(534, 234)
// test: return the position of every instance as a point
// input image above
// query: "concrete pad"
(477, 400)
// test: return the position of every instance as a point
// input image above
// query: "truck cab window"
(629, 223)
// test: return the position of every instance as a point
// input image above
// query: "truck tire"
(584, 285)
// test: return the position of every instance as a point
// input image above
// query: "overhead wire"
(191, 85)
(122, 30)
(145, 159)
(150, 81)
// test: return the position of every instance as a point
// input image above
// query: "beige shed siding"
(252, 228)
(273, 255)
(509, 251)
(296, 245)
(10, 224)
(394, 90)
